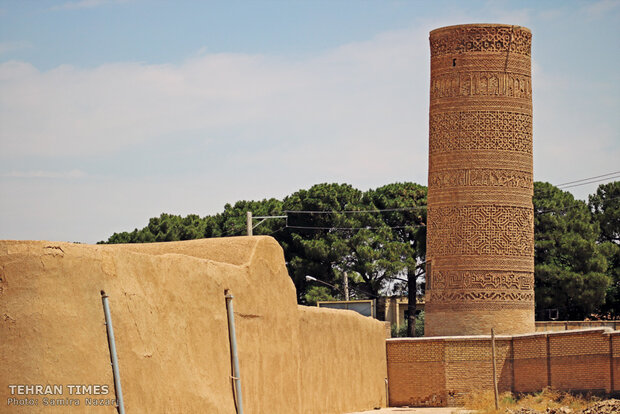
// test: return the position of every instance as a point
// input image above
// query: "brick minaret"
(480, 240)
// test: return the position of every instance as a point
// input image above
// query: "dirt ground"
(421, 410)
(611, 406)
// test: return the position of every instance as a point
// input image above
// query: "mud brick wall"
(441, 371)
(169, 315)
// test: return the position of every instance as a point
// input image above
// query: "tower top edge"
(479, 25)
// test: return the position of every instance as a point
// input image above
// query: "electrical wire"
(353, 211)
(589, 182)
(590, 178)
(569, 184)
(352, 228)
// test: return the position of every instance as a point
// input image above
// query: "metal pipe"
(111, 343)
(494, 369)
(233, 350)
(387, 393)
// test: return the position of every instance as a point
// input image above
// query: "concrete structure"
(581, 360)
(392, 309)
(170, 323)
(480, 240)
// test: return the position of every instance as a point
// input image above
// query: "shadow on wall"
(169, 314)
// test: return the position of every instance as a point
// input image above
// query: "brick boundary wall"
(441, 371)
(545, 326)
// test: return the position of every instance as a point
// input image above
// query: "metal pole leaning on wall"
(112, 344)
(387, 393)
(233, 350)
(494, 368)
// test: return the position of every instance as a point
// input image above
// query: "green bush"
(419, 324)
(401, 331)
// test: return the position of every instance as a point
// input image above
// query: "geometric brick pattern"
(480, 130)
(480, 222)
(471, 38)
(481, 230)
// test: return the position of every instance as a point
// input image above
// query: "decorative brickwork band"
(480, 230)
(481, 177)
(480, 130)
(483, 280)
(480, 223)
(486, 38)
(450, 85)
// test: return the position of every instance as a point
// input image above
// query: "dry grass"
(484, 402)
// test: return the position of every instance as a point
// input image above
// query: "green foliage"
(611, 307)
(399, 331)
(402, 331)
(349, 235)
(577, 250)
(569, 265)
(605, 206)
(315, 294)
(419, 324)
(323, 245)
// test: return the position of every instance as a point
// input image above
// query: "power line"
(570, 207)
(590, 178)
(352, 228)
(353, 211)
(569, 184)
(589, 182)
(273, 232)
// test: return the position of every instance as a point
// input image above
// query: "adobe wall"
(343, 358)
(441, 371)
(169, 315)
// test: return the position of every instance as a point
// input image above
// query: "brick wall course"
(441, 371)
(530, 362)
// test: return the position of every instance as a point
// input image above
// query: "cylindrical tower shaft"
(480, 235)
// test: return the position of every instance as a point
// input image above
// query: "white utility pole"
(346, 286)
(249, 222)
(249, 218)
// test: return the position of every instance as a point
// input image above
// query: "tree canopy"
(570, 268)
(378, 238)
(605, 207)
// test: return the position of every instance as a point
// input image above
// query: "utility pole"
(346, 286)
(249, 219)
(249, 222)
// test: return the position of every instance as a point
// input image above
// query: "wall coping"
(602, 330)
(451, 338)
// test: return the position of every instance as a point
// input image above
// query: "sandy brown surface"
(169, 315)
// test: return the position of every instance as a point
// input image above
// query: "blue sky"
(114, 111)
